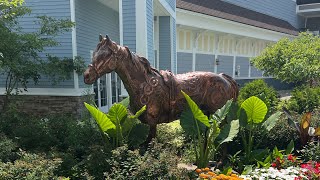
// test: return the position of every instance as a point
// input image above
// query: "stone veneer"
(45, 105)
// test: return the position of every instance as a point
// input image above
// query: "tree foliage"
(296, 60)
(22, 53)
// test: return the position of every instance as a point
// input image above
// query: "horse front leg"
(152, 133)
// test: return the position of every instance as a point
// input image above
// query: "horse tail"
(234, 86)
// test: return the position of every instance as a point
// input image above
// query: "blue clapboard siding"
(243, 63)
(129, 23)
(172, 4)
(255, 72)
(164, 43)
(174, 48)
(204, 62)
(225, 65)
(184, 62)
(93, 18)
(149, 7)
(282, 9)
(57, 9)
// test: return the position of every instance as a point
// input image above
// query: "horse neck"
(130, 74)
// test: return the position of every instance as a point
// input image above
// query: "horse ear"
(107, 37)
(100, 38)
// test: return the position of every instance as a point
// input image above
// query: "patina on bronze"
(159, 90)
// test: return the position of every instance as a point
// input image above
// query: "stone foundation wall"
(48, 105)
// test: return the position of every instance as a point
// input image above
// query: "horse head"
(104, 60)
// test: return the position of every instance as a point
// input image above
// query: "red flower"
(290, 157)
(273, 164)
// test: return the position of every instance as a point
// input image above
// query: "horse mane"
(141, 63)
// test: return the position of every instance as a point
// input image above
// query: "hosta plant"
(118, 127)
(205, 131)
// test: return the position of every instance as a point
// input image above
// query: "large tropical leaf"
(290, 147)
(228, 132)
(255, 108)
(214, 132)
(243, 119)
(117, 114)
(196, 111)
(101, 118)
(188, 123)
(138, 134)
(271, 121)
(125, 102)
(222, 112)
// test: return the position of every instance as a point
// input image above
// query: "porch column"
(167, 44)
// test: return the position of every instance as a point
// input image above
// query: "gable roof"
(224, 10)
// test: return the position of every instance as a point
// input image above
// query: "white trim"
(234, 67)
(166, 5)
(201, 21)
(109, 90)
(141, 28)
(74, 42)
(157, 44)
(120, 22)
(54, 91)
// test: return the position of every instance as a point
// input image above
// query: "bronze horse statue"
(160, 91)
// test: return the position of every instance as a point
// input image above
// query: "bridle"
(114, 55)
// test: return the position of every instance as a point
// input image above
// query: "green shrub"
(311, 152)
(171, 134)
(280, 136)
(304, 99)
(157, 162)
(30, 166)
(7, 148)
(256, 88)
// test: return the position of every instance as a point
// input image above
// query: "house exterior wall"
(243, 64)
(225, 65)
(205, 62)
(184, 62)
(164, 43)
(129, 23)
(172, 4)
(282, 9)
(59, 9)
(150, 18)
(93, 18)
